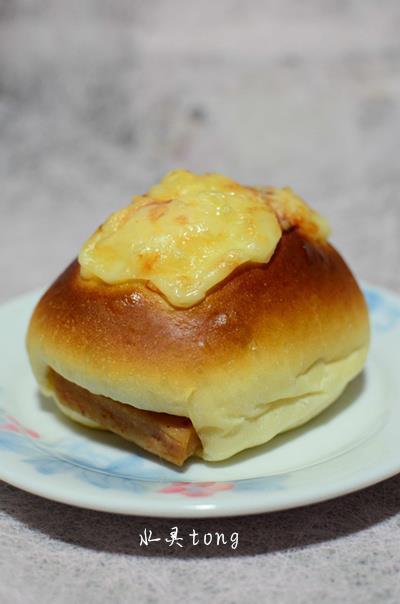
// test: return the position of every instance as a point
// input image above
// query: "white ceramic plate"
(353, 444)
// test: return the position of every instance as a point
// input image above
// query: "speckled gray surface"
(97, 100)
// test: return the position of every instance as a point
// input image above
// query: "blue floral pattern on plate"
(63, 456)
(385, 313)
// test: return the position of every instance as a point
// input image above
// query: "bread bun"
(266, 350)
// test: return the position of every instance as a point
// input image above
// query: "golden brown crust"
(304, 281)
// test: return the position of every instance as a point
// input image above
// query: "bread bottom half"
(174, 438)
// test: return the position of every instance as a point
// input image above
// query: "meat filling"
(168, 436)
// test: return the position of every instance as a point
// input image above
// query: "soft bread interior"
(226, 429)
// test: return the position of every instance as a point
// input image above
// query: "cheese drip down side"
(183, 237)
(292, 211)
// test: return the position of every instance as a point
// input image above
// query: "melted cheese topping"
(183, 237)
(293, 211)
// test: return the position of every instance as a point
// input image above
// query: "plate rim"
(219, 505)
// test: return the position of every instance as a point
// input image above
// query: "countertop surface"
(97, 101)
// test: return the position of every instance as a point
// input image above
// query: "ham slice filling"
(168, 436)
